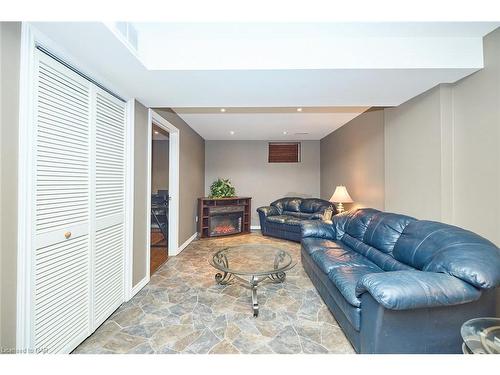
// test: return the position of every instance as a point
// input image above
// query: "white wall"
(245, 164)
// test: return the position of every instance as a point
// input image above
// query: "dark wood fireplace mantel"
(223, 216)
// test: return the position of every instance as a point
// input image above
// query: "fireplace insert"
(225, 220)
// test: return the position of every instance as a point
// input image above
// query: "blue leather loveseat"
(284, 216)
(400, 285)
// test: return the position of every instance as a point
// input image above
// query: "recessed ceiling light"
(299, 109)
(223, 109)
(285, 133)
(231, 132)
(156, 132)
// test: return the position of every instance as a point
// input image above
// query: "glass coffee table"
(481, 336)
(251, 265)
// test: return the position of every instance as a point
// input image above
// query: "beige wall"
(413, 157)
(191, 172)
(141, 193)
(245, 164)
(10, 41)
(353, 156)
(442, 151)
(476, 146)
(159, 165)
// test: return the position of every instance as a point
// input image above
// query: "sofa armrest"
(318, 229)
(405, 290)
(268, 211)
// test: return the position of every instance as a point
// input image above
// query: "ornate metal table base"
(227, 278)
(279, 263)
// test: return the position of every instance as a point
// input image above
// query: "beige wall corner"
(10, 50)
(476, 146)
(353, 155)
(442, 151)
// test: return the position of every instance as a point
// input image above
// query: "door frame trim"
(30, 38)
(173, 184)
(128, 273)
(24, 308)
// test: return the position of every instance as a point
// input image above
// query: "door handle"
(67, 235)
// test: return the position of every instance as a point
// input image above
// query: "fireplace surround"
(223, 216)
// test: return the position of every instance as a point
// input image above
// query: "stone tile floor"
(183, 310)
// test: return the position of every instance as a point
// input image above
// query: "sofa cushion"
(339, 256)
(346, 278)
(312, 244)
(437, 247)
(288, 204)
(358, 223)
(313, 205)
(385, 229)
(382, 260)
(284, 219)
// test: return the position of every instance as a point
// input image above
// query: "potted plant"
(222, 188)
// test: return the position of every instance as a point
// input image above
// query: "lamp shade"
(341, 195)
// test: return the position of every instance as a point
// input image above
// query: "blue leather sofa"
(284, 216)
(400, 285)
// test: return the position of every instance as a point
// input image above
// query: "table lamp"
(341, 196)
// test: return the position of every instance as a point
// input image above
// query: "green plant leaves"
(222, 188)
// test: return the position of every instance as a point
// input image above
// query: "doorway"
(163, 189)
(159, 198)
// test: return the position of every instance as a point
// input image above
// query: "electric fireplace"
(223, 216)
(226, 220)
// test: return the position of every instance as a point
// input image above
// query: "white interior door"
(79, 206)
(61, 269)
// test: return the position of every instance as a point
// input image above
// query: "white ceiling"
(265, 46)
(267, 123)
(207, 66)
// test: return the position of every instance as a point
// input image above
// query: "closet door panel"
(61, 269)
(109, 205)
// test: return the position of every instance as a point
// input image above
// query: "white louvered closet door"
(78, 207)
(62, 212)
(109, 205)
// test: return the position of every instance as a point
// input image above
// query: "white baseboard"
(185, 244)
(254, 227)
(141, 284)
